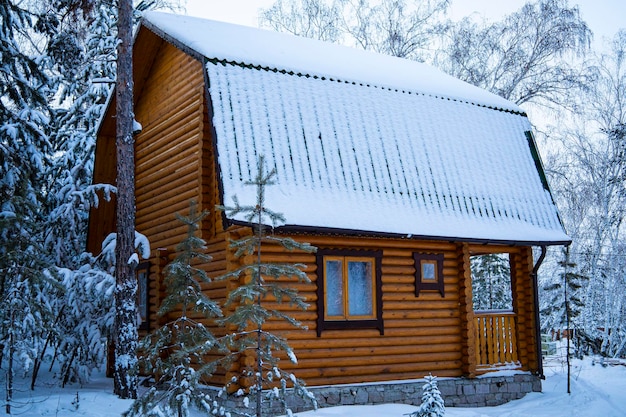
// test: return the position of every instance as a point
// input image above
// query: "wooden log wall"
(102, 218)
(422, 334)
(167, 156)
(524, 306)
(468, 333)
(175, 164)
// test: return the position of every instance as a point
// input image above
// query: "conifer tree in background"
(26, 281)
(432, 404)
(260, 284)
(71, 192)
(176, 352)
(563, 302)
(491, 282)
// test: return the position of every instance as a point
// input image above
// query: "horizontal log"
(160, 210)
(369, 371)
(418, 305)
(172, 60)
(441, 345)
(393, 279)
(431, 328)
(162, 125)
(172, 156)
(428, 322)
(172, 163)
(288, 257)
(377, 243)
(159, 117)
(312, 380)
(178, 99)
(162, 184)
(489, 249)
(167, 81)
(391, 261)
(372, 360)
(425, 295)
(155, 135)
(409, 269)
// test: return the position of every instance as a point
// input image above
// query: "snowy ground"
(596, 391)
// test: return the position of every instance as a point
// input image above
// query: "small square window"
(428, 273)
(429, 270)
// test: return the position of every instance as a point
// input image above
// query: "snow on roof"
(264, 48)
(357, 152)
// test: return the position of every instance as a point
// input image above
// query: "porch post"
(466, 311)
(535, 287)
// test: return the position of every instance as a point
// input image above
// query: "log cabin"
(399, 174)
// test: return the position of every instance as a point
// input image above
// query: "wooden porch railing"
(496, 344)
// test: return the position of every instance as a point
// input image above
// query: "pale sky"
(604, 17)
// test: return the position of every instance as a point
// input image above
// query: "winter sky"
(604, 17)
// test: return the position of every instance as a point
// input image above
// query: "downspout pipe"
(535, 285)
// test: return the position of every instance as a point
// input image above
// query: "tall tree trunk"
(9, 392)
(125, 367)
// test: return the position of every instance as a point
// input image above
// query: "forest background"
(57, 69)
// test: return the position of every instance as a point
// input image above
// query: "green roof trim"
(535, 154)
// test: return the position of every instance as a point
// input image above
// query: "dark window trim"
(376, 323)
(144, 267)
(422, 285)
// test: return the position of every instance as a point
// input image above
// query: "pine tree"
(432, 404)
(27, 282)
(563, 301)
(125, 330)
(257, 283)
(85, 318)
(69, 180)
(176, 352)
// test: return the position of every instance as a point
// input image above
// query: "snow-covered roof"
(367, 142)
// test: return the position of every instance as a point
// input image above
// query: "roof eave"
(314, 230)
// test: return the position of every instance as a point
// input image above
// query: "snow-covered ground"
(595, 391)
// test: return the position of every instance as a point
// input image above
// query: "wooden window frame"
(143, 288)
(429, 284)
(329, 323)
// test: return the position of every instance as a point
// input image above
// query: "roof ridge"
(363, 84)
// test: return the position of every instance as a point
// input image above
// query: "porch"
(495, 340)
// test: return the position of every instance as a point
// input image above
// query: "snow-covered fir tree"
(258, 282)
(83, 97)
(176, 353)
(27, 283)
(491, 282)
(84, 321)
(85, 318)
(562, 303)
(82, 45)
(432, 403)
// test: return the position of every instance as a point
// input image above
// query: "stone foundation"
(456, 392)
